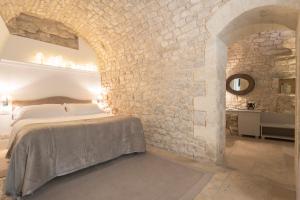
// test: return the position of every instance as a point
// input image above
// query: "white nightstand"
(5, 122)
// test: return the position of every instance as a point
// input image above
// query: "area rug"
(135, 177)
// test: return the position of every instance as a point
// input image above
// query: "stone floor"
(254, 170)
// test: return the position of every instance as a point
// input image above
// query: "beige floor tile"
(257, 170)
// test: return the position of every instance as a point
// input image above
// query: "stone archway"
(236, 16)
(120, 36)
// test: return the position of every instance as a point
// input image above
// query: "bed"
(67, 138)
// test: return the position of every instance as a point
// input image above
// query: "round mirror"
(240, 84)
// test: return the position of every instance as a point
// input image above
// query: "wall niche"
(44, 30)
(287, 86)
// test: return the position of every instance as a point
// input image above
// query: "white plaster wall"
(30, 81)
(4, 34)
(24, 49)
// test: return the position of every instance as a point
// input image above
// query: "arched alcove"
(235, 20)
(161, 65)
(29, 39)
(99, 23)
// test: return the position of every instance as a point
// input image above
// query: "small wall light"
(39, 58)
(4, 101)
(5, 106)
(59, 61)
(100, 100)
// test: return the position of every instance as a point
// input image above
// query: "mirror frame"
(242, 92)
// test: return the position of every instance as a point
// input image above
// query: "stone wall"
(43, 30)
(267, 57)
(159, 59)
(151, 56)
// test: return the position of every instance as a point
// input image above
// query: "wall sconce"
(98, 99)
(102, 104)
(4, 101)
(5, 104)
(39, 58)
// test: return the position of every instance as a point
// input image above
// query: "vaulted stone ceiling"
(153, 56)
(101, 23)
(148, 53)
(110, 25)
(258, 20)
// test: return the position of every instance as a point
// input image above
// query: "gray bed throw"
(44, 151)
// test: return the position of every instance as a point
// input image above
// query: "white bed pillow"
(39, 111)
(83, 109)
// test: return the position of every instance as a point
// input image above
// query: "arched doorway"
(237, 19)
